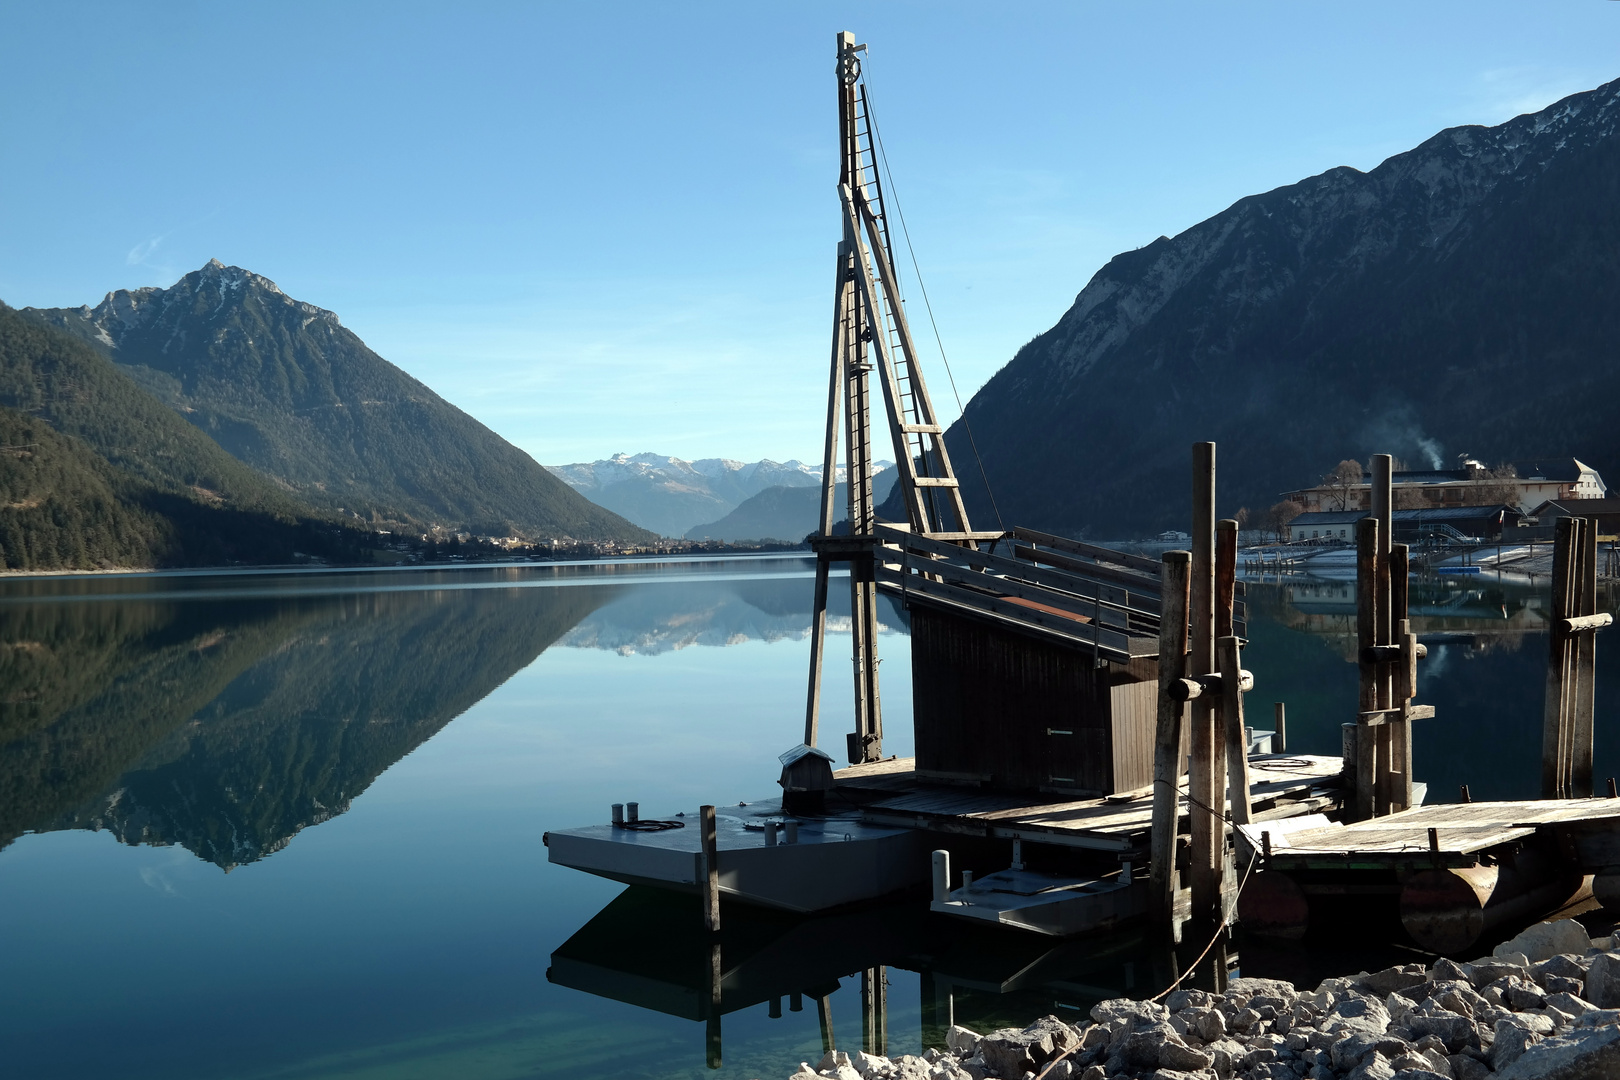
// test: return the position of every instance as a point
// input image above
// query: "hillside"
(286, 389)
(1456, 299)
(669, 495)
(96, 473)
(785, 513)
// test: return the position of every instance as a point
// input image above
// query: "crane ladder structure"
(870, 335)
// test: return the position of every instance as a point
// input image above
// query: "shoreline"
(1545, 1005)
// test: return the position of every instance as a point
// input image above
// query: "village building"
(1524, 485)
(1605, 512)
(1449, 522)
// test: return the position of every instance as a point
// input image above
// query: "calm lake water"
(289, 825)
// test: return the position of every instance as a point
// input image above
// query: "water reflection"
(226, 714)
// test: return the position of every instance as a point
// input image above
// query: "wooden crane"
(870, 334)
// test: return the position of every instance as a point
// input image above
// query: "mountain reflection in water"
(227, 714)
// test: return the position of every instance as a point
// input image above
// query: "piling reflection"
(648, 948)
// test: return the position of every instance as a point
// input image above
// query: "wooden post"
(1279, 741)
(1366, 637)
(1585, 664)
(824, 1015)
(1204, 783)
(710, 883)
(1382, 509)
(1167, 760)
(1554, 730)
(1405, 678)
(1237, 750)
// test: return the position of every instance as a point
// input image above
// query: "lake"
(289, 824)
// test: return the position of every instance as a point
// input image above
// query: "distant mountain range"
(787, 513)
(669, 495)
(285, 388)
(1458, 298)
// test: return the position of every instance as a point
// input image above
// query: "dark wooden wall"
(1008, 709)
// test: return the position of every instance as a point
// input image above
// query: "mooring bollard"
(942, 876)
(770, 834)
(632, 811)
(793, 832)
(967, 879)
(618, 814)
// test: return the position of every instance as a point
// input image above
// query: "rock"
(1510, 1043)
(1139, 1013)
(1579, 1054)
(1457, 997)
(1453, 1030)
(1418, 1074)
(1208, 1024)
(1063, 1070)
(1386, 982)
(1603, 981)
(1566, 965)
(1484, 972)
(1186, 999)
(1374, 1067)
(843, 1072)
(1557, 984)
(1096, 1035)
(869, 1064)
(805, 1072)
(1447, 971)
(1094, 1072)
(1175, 1056)
(961, 1041)
(1522, 996)
(1510, 957)
(1598, 1017)
(1464, 1067)
(1357, 1014)
(1546, 940)
(1269, 987)
(1226, 1055)
(832, 1059)
(1569, 1003)
(1010, 1052)
(1348, 1053)
(1064, 1037)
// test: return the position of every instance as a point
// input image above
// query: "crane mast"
(870, 336)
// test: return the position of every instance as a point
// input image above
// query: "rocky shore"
(1543, 1006)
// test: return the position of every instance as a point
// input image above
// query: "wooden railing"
(1110, 603)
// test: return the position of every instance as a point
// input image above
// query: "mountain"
(1458, 298)
(785, 513)
(670, 496)
(94, 472)
(285, 388)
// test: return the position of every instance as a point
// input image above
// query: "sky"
(610, 227)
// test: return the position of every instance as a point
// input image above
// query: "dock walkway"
(1461, 834)
(891, 793)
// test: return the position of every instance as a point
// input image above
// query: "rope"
(1254, 857)
(877, 139)
(651, 825)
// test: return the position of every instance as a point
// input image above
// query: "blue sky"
(610, 227)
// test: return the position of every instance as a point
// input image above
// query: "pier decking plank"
(1462, 832)
(1301, 783)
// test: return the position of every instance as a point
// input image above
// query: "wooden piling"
(1204, 785)
(1366, 637)
(1404, 680)
(1585, 664)
(1383, 511)
(1237, 750)
(710, 881)
(1555, 734)
(1279, 715)
(1167, 747)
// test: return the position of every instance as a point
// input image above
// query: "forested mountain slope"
(286, 388)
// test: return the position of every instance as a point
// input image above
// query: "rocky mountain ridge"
(284, 387)
(1455, 298)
